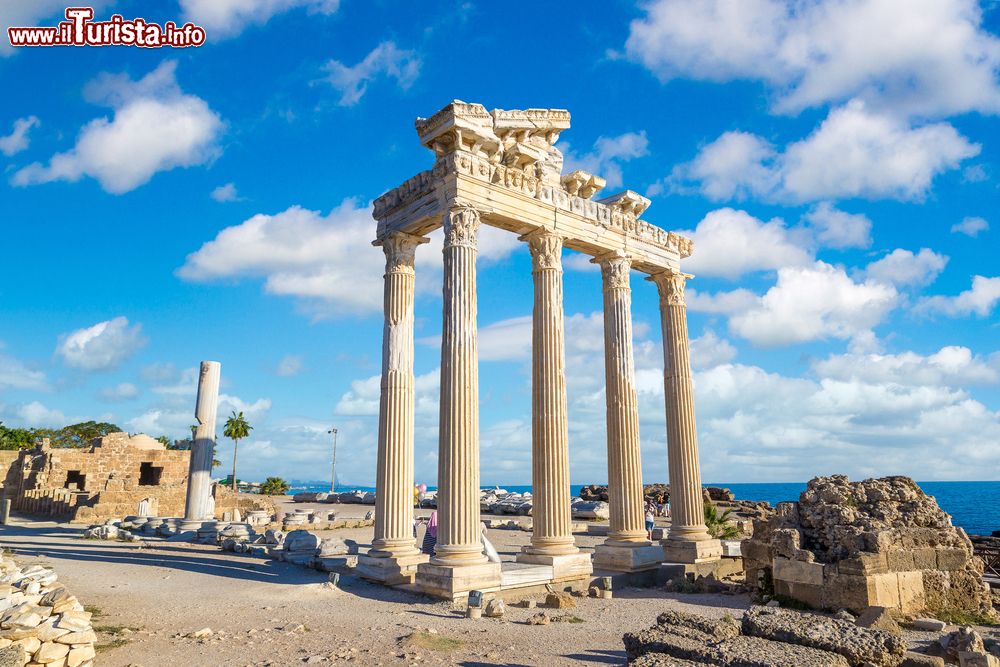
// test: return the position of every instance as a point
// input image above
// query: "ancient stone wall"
(851, 545)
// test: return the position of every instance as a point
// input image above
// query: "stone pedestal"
(565, 567)
(197, 506)
(454, 582)
(551, 515)
(394, 556)
(688, 540)
(626, 558)
(624, 548)
(458, 559)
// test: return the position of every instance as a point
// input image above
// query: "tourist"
(650, 521)
(488, 548)
(430, 537)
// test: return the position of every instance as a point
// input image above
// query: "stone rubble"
(41, 623)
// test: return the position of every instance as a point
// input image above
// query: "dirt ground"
(148, 597)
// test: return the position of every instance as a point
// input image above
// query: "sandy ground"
(149, 597)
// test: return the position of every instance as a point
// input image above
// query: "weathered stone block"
(798, 572)
(864, 564)
(885, 589)
(900, 560)
(925, 558)
(911, 592)
(949, 559)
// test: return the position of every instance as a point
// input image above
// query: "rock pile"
(767, 636)
(40, 622)
(853, 545)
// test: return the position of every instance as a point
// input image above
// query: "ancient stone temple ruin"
(502, 168)
(853, 545)
(108, 479)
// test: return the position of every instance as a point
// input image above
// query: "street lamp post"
(333, 473)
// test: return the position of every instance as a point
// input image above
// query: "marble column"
(197, 505)
(627, 547)
(458, 541)
(552, 540)
(688, 540)
(394, 556)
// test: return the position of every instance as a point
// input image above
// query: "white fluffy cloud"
(385, 60)
(970, 226)
(156, 127)
(925, 57)
(290, 364)
(17, 140)
(606, 157)
(978, 300)
(327, 262)
(952, 366)
(101, 347)
(729, 243)
(225, 193)
(855, 152)
(838, 229)
(903, 267)
(811, 303)
(14, 374)
(227, 18)
(124, 391)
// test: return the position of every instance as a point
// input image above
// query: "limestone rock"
(716, 629)
(11, 656)
(914, 659)
(879, 618)
(201, 634)
(495, 608)
(929, 624)
(560, 600)
(859, 645)
(541, 618)
(51, 652)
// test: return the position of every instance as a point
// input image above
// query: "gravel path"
(152, 595)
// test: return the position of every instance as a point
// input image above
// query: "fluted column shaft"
(624, 459)
(394, 474)
(458, 449)
(686, 502)
(196, 506)
(551, 531)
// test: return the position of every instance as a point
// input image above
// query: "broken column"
(197, 507)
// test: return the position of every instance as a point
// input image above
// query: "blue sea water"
(975, 506)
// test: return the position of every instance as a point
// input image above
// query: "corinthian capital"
(400, 251)
(670, 284)
(615, 269)
(546, 249)
(461, 227)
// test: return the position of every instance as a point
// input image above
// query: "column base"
(186, 524)
(682, 551)
(627, 559)
(564, 567)
(453, 582)
(391, 570)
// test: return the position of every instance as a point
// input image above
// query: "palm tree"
(237, 428)
(720, 526)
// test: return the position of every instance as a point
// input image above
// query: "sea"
(975, 506)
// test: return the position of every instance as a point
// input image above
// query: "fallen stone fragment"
(541, 618)
(859, 645)
(713, 628)
(294, 628)
(914, 659)
(879, 618)
(50, 652)
(560, 600)
(495, 608)
(930, 624)
(201, 634)
(78, 656)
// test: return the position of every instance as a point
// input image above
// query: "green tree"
(720, 526)
(237, 428)
(274, 486)
(80, 435)
(16, 438)
(165, 441)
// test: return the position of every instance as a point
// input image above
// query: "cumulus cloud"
(327, 262)
(710, 350)
(979, 300)
(156, 127)
(606, 157)
(903, 267)
(227, 18)
(14, 374)
(101, 347)
(970, 226)
(729, 243)
(838, 229)
(923, 57)
(37, 415)
(385, 60)
(290, 364)
(812, 303)
(855, 152)
(124, 391)
(952, 366)
(17, 140)
(225, 193)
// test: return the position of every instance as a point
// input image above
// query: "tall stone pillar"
(688, 540)
(394, 557)
(552, 540)
(458, 564)
(627, 547)
(197, 506)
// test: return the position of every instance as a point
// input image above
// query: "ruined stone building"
(108, 479)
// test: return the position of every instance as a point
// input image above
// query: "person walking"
(430, 537)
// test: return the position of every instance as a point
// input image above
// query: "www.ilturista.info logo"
(79, 29)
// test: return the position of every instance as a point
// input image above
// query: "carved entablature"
(515, 150)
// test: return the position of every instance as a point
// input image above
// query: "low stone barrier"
(41, 623)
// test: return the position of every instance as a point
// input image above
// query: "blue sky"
(836, 163)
